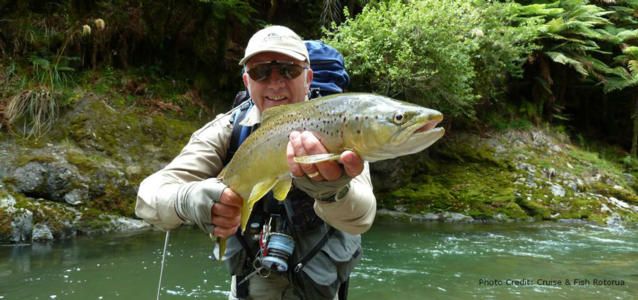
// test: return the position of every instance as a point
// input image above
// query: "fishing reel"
(276, 246)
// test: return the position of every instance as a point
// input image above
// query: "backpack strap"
(306, 258)
(240, 133)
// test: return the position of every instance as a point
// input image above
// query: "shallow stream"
(401, 261)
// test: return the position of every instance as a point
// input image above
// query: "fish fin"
(258, 191)
(221, 243)
(316, 158)
(282, 188)
(221, 174)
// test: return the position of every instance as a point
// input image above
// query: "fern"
(563, 59)
(626, 35)
(632, 65)
(631, 51)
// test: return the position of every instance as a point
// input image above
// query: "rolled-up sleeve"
(353, 213)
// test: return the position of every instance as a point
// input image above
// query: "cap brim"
(293, 54)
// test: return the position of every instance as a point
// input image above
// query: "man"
(326, 195)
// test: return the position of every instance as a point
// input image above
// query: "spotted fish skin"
(373, 126)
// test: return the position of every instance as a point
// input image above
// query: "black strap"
(304, 260)
(343, 290)
(236, 136)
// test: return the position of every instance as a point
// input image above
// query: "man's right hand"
(226, 214)
(211, 205)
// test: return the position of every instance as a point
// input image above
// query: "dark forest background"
(572, 64)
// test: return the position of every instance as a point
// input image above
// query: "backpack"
(329, 72)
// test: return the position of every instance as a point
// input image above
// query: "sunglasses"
(287, 70)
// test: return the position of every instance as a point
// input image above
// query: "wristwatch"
(342, 192)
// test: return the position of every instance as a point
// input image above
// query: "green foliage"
(445, 54)
(53, 74)
(418, 51)
(240, 10)
(507, 39)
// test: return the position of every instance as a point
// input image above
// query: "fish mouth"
(428, 126)
(419, 135)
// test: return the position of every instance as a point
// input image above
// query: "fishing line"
(159, 285)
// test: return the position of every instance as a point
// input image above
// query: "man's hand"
(306, 143)
(226, 214)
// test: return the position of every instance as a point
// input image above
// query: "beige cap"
(277, 39)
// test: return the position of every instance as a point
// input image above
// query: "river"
(401, 261)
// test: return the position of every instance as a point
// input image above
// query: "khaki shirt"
(203, 158)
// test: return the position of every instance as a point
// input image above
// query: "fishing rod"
(159, 285)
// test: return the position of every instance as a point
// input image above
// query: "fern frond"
(599, 66)
(538, 10)
(632, 65)
(627, 35)
(631, 51)
(563, 59)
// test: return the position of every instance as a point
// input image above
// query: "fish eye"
(399, 118)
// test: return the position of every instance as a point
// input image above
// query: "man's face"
(276, 89)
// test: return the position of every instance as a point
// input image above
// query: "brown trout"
(373, 126)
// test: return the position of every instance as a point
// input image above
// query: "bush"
(442, 54)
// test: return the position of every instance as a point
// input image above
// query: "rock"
(622, 204)
(393, 214)
(55, 181)
(631, 180)
(41, 232)
(391, 174)
(451, 217)
(500, 217)
(572, 221)
(557, 190)
(526, 167)
(21, 226)
(429, 217)
(30, 178)
(8, 203)
(21, 220)
(76, 196)
(133, 170)
(531, 182)
(123, 224)
(555, 148)
(614, 221)
(400, 208)
(549, 173)
(573, 186)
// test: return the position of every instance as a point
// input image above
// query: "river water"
(401, 261)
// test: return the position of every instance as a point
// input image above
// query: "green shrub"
(443, 54)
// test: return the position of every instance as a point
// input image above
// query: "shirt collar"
(253, 117)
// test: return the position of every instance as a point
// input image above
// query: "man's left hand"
(306, 143)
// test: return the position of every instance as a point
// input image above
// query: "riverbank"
(82, 177)
(514, 175)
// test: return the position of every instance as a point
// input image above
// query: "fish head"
(389, 128)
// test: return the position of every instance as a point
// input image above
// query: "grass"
(33, 111)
